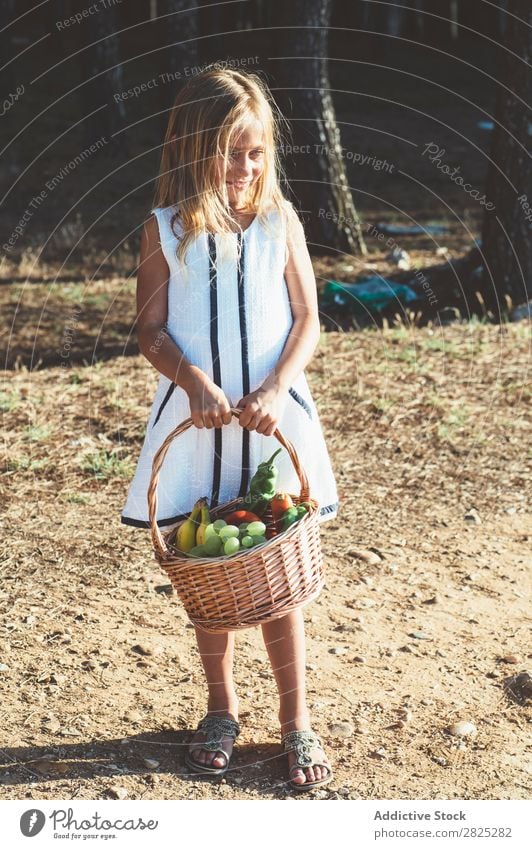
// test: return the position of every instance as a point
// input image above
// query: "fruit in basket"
(231, 545)
(237, 517)
(258, 540)
(219, 523)
(289, 517)
(213, 546)
(205, 521)
(210, 531)
(262, 485)
(256, 529)
(280, 503)
(247, 541)
(185, 538)
(228, 531)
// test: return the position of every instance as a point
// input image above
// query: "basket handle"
(157, 538)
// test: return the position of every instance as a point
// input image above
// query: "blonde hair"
(210, 110)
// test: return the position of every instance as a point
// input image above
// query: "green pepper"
(289, 517)
(262, 485)
(301, 511)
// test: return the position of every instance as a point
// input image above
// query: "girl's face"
(245, 163)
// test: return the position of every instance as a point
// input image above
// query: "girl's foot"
(206, 757)
(319, 771)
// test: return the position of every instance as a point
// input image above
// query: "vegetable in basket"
(262, 486)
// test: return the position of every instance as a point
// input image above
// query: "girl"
(227, 311)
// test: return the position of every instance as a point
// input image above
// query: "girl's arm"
(263, 408)
(209, 406)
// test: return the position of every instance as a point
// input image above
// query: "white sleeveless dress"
(230, 315)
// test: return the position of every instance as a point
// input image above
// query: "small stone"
(151, 763)
(463, 728)
(343, 791)
(321, 794)
(117, 792)
(511, 511)
(379, 754)
(359, 659)
(420, 635)
(473, 517)
(164, 589)
(432, 600)
(440, 761)
(338, 650)
(4, 667)
(404, 714)
(396, 726)
(408, 649)
(369, 557)
(141, 648)
(70, 732)
(341, 729)
(51, 725)
(133, 716)
(311, 667)
(520, 687)
(510, 658)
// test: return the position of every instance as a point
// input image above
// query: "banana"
(205, 520)
(186, 533)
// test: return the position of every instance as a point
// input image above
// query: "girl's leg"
(217, 652)
(285, 643)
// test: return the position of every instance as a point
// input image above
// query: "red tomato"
(239, 516)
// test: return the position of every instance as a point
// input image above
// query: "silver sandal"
(304, 743)
(215, 728)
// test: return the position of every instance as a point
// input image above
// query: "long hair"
(208, 113)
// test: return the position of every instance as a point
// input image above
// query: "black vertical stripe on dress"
(244, 480)
(216, 371)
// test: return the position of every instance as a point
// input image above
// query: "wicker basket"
(250, 587)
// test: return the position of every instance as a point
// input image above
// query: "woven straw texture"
(250, 587)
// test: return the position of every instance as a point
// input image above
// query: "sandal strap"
(215, 728)
(302, 743)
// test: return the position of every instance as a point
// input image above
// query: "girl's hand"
(262, 410)
(209, 406)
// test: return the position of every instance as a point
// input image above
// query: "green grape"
(231, 545)
(228, 531)
(243, 528)
(256, 529)
(213, 545)
(210, 531)
(247, 541)
(219, 523)
(258, 540)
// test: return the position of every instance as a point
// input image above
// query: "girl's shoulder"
(168, 217)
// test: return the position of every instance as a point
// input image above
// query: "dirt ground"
(421, 624)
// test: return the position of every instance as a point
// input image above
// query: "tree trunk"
(507, 231)
(314, 159)
(178, 27)
(103, 75)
